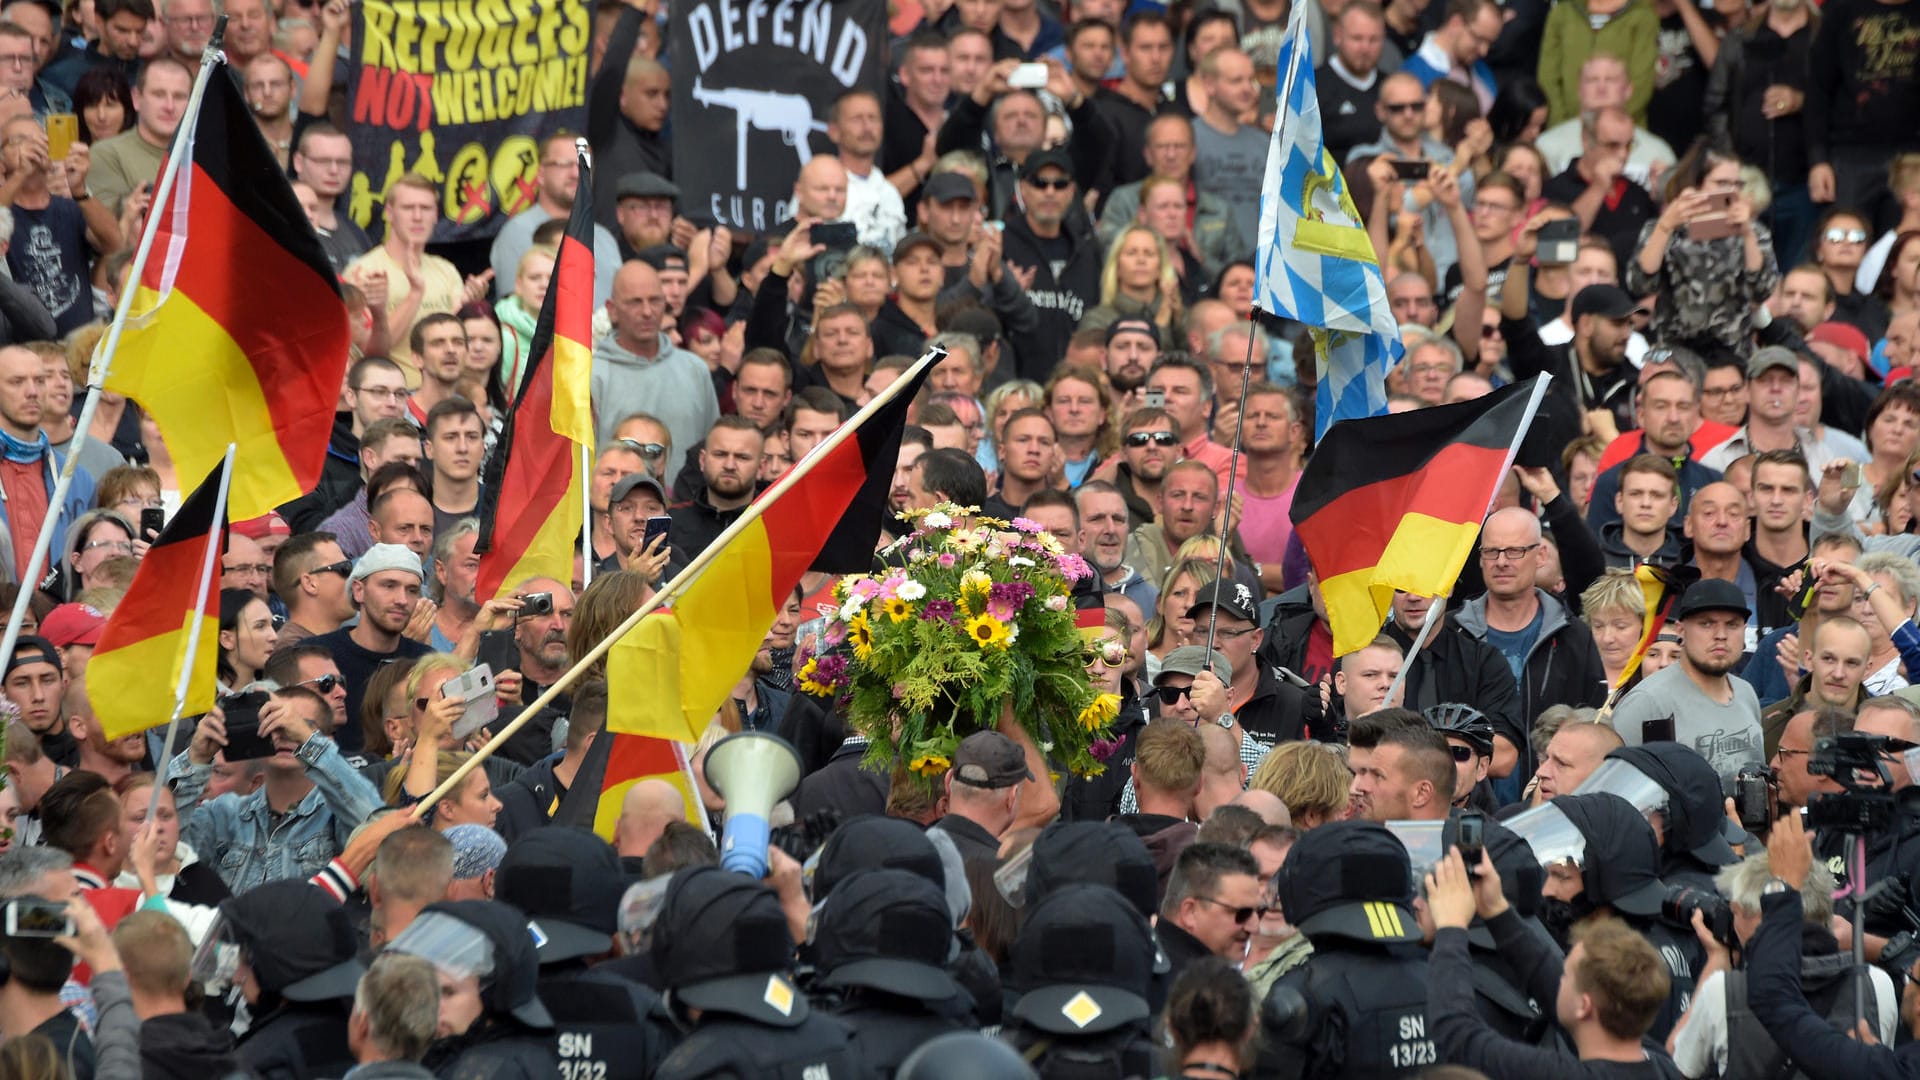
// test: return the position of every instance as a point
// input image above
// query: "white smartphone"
(38, 919)
(475, 687)
(1028, 77)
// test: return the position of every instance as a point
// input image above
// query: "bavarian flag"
(236, 332)
(530, 506)
(136, 668)
(1395, 502)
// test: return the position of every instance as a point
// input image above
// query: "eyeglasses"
(119, 547)
(326, 684)
(17, 59)
(1138, 439)
(1058, 183)
(651, 451)
(1482, 206)
(1171, 695)
(390, 393)
(1233, 635)
(344, 568)
(237, 568)
(1403, 106)
(1240, 914)
(1488, 333)
(1846, 236)
(1784, 751)
(1511, 554)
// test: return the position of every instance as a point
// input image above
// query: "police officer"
(1618, 873)
(1357, 1008)
(965, 1056)
(568, 882)
(495, 1025)
(1080, 969)
(298, 974)
(1102, 853)
(881, 947)
(1693, 827)
(723, 950)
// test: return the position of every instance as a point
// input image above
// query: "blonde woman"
(1310, 778)
(1005, 400)
(1140, 277)
(519, 311)
(1170, 627)
(1616, 612)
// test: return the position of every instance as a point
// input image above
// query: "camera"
(536, 603)
(1853, 761)
(242, 716)
(1681, 901)
(1755, 797)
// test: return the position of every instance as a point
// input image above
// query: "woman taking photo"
(1710, 262)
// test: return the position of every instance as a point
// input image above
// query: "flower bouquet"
(978, 624)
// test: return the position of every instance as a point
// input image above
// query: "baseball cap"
(382, 557)
(625, 486)
(1350, 879)
(32, 649)
(1231, 597)
(259, 528)
(646, 185)
(1606, 301)
(947, 186)
(1712, 594)
(1672, 360)
(1844, 335)
(73, 624)
(476, 850)
(662, 256)
(914, 239)
(1040, 159)
(1772, 356)
(1194, 659)
(988, 759)
(1131, 325)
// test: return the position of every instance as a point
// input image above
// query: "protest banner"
(460, 91)
(752, 83)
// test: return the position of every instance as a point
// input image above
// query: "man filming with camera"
(1880, 803)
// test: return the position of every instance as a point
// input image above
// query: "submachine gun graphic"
(789, 114)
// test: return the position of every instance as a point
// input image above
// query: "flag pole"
(1233, 472)
(210, 57)
(585, 154)
(211, 560)
(686, 577)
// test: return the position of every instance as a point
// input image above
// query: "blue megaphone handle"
(743, 845)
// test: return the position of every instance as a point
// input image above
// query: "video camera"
(1853, 761)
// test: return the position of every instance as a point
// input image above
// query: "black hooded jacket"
(184, 1046)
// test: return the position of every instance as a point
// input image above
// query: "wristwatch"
(1776, 886)
(1225, 720)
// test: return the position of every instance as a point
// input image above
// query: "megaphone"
(752, 771)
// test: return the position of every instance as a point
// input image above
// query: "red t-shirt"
(25, 486)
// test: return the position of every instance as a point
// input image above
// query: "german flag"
(136, 667)
(614, 763)
(239, 336)
(530, 508)
(1395, 502)
(1660, 586)
(670, 675)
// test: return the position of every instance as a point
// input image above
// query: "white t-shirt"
(1700, 1045)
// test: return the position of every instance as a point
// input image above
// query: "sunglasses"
(1059, 183)
(652, 451)
(1488, 333)
(1846, 236)
(1403, 107)
(344, 568)
(1171, 695)
(326, 684)
(1461, 754)
(1240, 914)
(1138, 439)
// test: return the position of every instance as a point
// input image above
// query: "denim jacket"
(235, 833)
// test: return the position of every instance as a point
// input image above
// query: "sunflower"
(898, 610)
(1100, 712)
(987, 631)
(861, 637)
(929, 765)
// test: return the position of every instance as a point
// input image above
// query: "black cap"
(870, 842)
(1132, 324)
(1040, 159)
(721, 944)
(886, 930)
(988, 759)
(1350, 879)
(1231, 597)
(299, 942)
(1711, 594)
(32, 649)
(1621, 866)
(1696, 812)
(947, 186)
(1083, 963)
(569, 883)
(661, 256)
(1093, 853)
(914, 239)
(1606, 301)
(511, 989)
(625, 486)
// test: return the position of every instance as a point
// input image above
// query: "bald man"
(820, 191)
(1551, 655)
(1266, 804)
(1225, 775)
(644, 814)
(1837, 666)
(1572, 754)
(637, 368)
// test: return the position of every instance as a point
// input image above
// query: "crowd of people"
(1703, 222)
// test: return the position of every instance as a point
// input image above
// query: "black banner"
(752, 82)
(459, 91)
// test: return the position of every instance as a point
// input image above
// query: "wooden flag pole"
(686, 577)
(210, 58)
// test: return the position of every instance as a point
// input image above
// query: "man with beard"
(914, 441)
(1592, 382)
(1696, 702)
(616, 461)
(1188, 497)
(534, 646)
(1667, 402)
(1133, 347)
(1055, 254)
(386, 587)
(730, 463)
(635, 499)
(1103, 542)
(111, 758)
(643, 208)
(1148, 448)
(456, 573)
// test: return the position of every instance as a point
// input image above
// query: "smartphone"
(656, 526)
(38, 919)
(1850, 476)
(1753, 797)
(1469, 835)
(63, 130)
(244, 741)
(1412, 171)
(1156, 399)
(152, 520)
(835, 235)
(475, 687)
(1652, 731)
(1560, 241)
(1716, 222)
(1028, 77)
